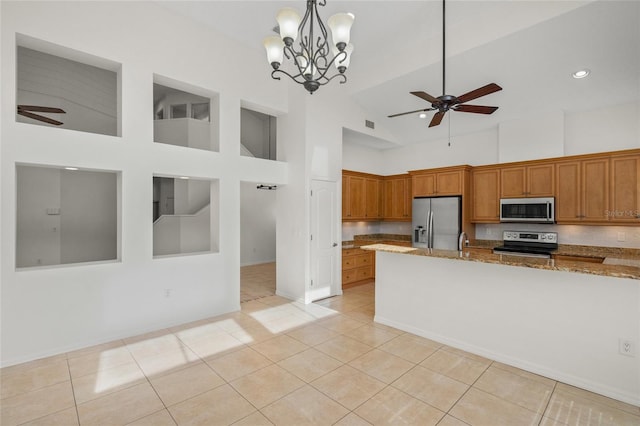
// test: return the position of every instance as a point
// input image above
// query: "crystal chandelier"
(305, 43)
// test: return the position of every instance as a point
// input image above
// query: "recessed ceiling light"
(184, 177)
(423, 115)
(71, 168)
(581, 73)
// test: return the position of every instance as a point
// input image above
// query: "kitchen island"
(559, 319)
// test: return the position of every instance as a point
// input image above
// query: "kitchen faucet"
(463, 241)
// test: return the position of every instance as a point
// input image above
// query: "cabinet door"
(387, 199)
(513, 182)
(357, 197)
(449, 183)
(345, 197)
(485, 196)
(540, 180)
(424, 185)
(408, 198)
(398, 200)
(625, 189)
(595, 190)
(372, 199)
(568, 192)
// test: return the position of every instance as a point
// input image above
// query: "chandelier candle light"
(312, 58)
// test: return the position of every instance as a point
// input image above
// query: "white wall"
(474, 149)
(103, 302)
(359, 158)
(311, 142)
(562, 325)
(257, 224)
(612, 128)
(537, 136)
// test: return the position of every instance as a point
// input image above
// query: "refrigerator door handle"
(431, 229)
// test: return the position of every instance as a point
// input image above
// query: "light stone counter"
(609, 269)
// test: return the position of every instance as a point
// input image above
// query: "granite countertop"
(390, 239)
(605, 269)
(612, 255)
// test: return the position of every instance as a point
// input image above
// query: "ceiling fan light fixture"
(446, 103)
(581, 73)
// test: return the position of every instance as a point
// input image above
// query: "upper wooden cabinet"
(439, 182)
(373, 198)
(625, 189)
(361, 196)
(595, 189)
(397, 198)
(582, 192)
(527, 181)
(485, 195)
(446, 181)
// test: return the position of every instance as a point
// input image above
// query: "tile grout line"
(546, 407)
(73, 389)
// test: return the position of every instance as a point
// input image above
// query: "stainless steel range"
(528, 244)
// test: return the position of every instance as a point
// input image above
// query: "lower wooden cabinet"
(357, 265)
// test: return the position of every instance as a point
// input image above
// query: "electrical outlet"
(627, 347)
(621, 236)
(167, 292)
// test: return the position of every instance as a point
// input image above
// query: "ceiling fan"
(445, 102)
(28, 111)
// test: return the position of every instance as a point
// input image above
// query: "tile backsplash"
(349, 229)
(605, 236)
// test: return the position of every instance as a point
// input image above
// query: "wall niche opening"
(258, 133)
(184, 116)
(66, 215)
(185, 216)
(61, 87)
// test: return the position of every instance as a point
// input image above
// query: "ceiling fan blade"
(483, 91)
(478, 109)
(36, 108)
(437, 118)
(427, 97)
(411, 112)
(40, 118)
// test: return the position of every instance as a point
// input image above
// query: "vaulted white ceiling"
(530, 48)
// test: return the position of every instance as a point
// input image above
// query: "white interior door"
(324, 236)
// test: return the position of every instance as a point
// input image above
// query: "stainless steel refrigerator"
(436, 222)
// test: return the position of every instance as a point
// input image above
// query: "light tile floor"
(283, 363)
(257, 281)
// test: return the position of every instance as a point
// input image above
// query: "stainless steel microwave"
(532, 210)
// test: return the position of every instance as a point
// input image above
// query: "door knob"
(335, 244)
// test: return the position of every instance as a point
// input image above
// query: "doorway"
(324, 240)
(257, 241)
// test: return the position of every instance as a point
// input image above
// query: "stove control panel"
(530, 236)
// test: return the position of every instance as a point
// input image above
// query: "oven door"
(522, 254)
